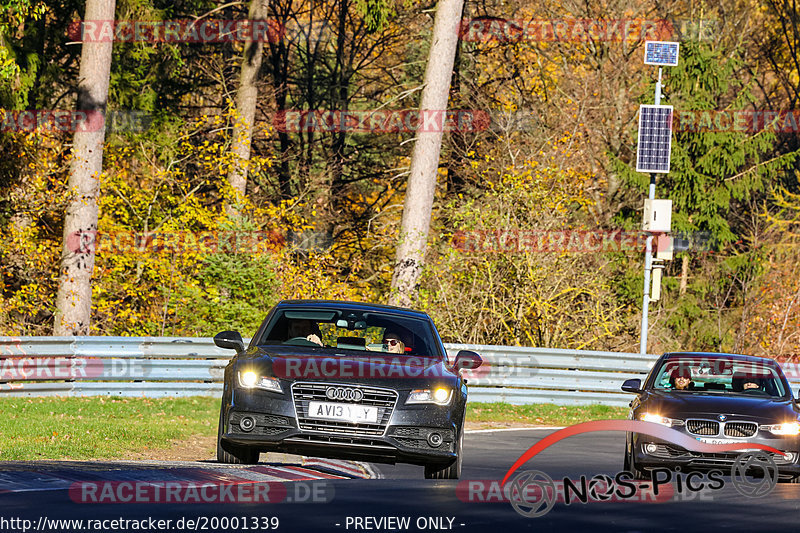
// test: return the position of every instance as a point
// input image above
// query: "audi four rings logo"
(342, 393)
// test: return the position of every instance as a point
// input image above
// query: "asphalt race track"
(330, 497)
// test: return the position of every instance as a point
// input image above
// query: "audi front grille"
(383, 399)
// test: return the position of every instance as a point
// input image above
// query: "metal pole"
(648, 267)
(648, 251)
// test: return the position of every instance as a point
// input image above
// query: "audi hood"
(397, 371)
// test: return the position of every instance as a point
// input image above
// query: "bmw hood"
(698, 405)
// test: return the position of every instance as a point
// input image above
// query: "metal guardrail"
(519, 375)
(189, 366)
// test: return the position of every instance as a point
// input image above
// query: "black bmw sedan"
(345, 380)
(718, 399)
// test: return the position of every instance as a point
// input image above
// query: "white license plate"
(721, 441)
(342, 411)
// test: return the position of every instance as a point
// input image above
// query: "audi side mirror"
(632, 385)
(467, 360)
(230, 340)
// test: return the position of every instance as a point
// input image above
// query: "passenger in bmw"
(681, 379)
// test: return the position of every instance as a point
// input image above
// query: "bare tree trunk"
(246, 101)
(278, 62)
(684, 274)
(341, 79)
(418, 204)
(74, 298)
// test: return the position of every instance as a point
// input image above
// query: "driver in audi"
(306, 329)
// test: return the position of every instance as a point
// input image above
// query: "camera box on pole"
(657, 216)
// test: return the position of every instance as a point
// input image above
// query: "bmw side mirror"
(230, 340)
(632, 385)
(467, 360)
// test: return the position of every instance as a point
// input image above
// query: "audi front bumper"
(418, 434)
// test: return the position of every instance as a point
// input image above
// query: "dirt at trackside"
(504, 425)
(196, 448)
(204, 447)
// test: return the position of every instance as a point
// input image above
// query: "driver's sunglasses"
(392, 342)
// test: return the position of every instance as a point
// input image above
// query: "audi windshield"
(346, 329)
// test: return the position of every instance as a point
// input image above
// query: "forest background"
(321, 213)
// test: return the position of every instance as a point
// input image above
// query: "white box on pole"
(655, 293)
(657, 216)
(665, 246)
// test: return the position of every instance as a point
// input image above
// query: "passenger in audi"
(393, 342)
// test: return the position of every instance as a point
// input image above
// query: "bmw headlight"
(788, 429)
(658, 419)
(251, 380)
(438, 395)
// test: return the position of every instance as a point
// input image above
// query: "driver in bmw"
(752, 383)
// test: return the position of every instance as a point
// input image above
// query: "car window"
(720, 376)
(345, 329)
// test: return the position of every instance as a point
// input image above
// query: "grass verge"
(99, 427)
(540, 414)
(111, 428)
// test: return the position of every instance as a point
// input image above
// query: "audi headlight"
(439, 396)
(251, 380)
(658, 419)
(789, 429)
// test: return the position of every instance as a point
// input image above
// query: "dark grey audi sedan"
(345, 380)
(718, 399)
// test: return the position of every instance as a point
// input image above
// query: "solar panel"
(655, 138)
(661, 53)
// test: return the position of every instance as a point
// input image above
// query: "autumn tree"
(425, 158)
(74, 299)
(246, 101)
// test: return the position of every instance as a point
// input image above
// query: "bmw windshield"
(720, 376)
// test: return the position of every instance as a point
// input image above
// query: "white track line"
(536, 428)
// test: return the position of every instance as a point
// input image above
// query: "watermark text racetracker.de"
(732, 120)
(510, 240)
(173, 242)
(175, 31)
(71, 121)
(188, 492)
(381, 120)
(583, 30)
(22, 369)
